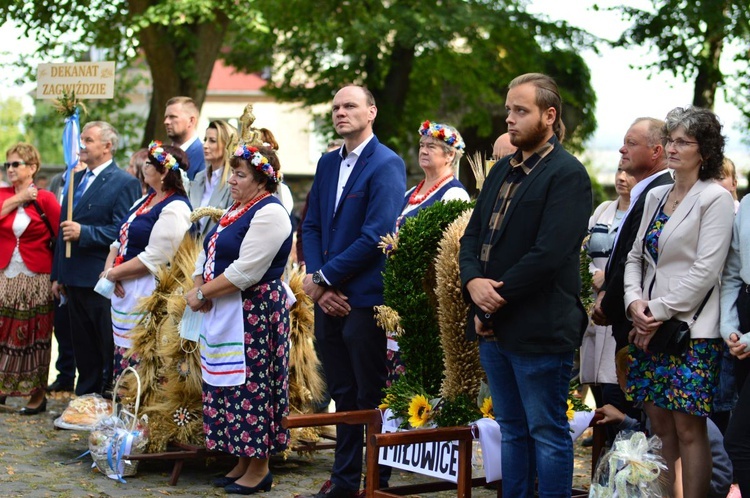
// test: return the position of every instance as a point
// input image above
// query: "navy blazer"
(344, 244)
(100, 211)
(536, 253)
(196, 159)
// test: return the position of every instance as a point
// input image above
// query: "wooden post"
(71, 176)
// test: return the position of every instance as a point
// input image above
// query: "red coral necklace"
(415, 199)
(228, 220)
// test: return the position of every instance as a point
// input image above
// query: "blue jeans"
(529, 394)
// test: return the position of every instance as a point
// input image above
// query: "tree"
(449, 60)
(422, 60)
(691, 37)
(180, 39)
(11, 115)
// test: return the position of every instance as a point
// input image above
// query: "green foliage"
(448, 62)
(11, 112)
(44, 130)
(459, 411)
(409, 281)
(587, 280)
(689, 38)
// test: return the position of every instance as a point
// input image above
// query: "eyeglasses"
(14, 164)
(678, 143)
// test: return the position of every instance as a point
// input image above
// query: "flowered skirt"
(245, 420)
(679, 383)
(124, 358)
(26, 318)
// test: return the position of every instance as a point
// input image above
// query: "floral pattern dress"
(245, 420)
(678, 383)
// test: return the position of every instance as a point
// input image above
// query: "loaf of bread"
(86, 410)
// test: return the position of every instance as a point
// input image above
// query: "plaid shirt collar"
(526, 166)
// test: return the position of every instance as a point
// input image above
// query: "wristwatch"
(317, 279)
(199, 295)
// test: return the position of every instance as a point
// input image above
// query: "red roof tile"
(227, 78)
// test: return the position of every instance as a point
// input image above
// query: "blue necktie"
(81, 188)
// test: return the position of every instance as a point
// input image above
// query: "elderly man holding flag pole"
(97, 200)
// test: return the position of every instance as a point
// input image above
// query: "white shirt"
(165, 237)
(187, 144)
(347, 165)
(285, 196)
(269, 229)
(635, 193)
(210, 186)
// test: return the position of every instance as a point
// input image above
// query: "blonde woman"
(210, 186)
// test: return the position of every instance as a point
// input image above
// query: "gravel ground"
(37, 460)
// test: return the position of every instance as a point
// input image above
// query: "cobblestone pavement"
(37, 460)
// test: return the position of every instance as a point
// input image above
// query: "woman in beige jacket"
(674, 265)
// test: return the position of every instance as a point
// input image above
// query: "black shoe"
(238, 489)
(223, 481)
(60, 387)
(2, 399)
(34, 411)
(587, 442)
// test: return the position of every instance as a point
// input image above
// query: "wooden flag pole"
(71, 176)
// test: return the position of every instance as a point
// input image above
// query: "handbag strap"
(44, 218)
(703, 304)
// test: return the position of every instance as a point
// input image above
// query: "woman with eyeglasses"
(29, 220)
(673, 272)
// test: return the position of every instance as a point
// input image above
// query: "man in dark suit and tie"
(181, 120)
(103, 195)
(354, 200)
(643, 156)
(519, 262)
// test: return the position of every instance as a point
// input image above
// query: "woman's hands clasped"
(644, 325)
(196, 304)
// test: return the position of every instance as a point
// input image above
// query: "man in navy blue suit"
(103, 196)
(180, 120)
(354, 200)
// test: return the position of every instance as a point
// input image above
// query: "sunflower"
(570, 411)
(420, 411)
(487, 409)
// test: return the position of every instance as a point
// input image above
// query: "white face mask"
(105, 287)
(191, 324)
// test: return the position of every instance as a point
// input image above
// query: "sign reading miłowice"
(87, 80)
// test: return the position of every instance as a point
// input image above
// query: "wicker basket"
(119, 435)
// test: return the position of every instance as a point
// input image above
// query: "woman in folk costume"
(440, 150)
(149, 236)
(244, 340)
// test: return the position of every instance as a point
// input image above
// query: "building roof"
(228, 79)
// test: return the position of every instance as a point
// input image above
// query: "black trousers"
(354, 360)
(737, 439)
(66, 361)
(91, 327)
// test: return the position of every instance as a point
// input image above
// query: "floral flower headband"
(446, 133)
(164, 158)
(259, 161)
